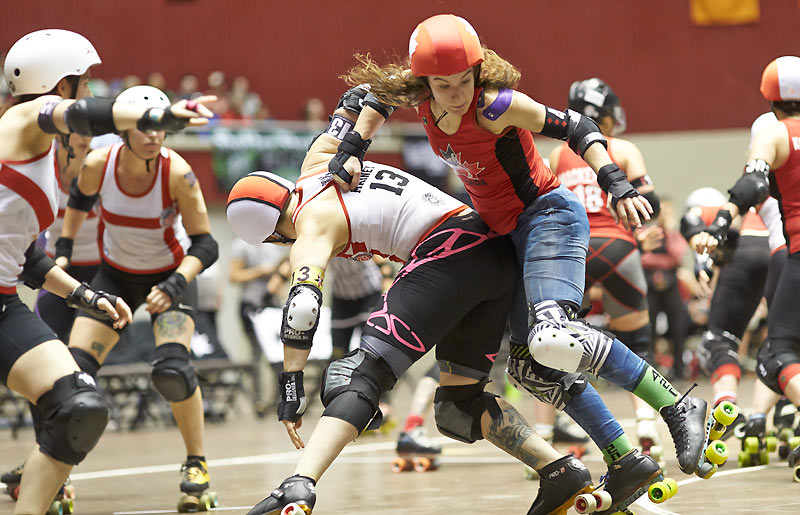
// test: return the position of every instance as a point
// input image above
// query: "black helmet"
(595, 99)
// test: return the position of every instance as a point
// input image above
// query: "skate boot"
(12, 479)
(415, 451)
(565, 431)
(295, 496)
(64, 503)
(649, 439)
(194, 483)
(756, 445)
(783, 419)
(561, 482)
(627, 479)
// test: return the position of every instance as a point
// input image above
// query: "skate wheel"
(658, 492)
(424, 464)
(750, 445)
(69, 491)
(214, 499)
(204, 504)
(744, 459)
(293, 509)
(794, 441)
(401, 465)
(726, 412)
(772, 443)
(715, 433)
(55, 508)
(763, 457)
(717, 452)
(585, 503)
(796, 474)
(673, 486)
(187, 503)
(67, 506)
(603, 499)
(786, 434)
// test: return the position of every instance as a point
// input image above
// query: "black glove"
(353, 98)
(159, 119)
(703, 263)
(614, 182)
(64, 248)
(351, 145)
(77, 300)
(292, 403)
(721, 225)
(173, 286)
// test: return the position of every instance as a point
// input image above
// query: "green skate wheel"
(763, 458)
(55, 508)
(67, 506)
(204, 504)
(717, 452)
(794, 441)
(658, 492)
(786, 434)
(751, 445)
(726, 412)
(744, 459)
(706, 470)
(772, 443)
(214, 499)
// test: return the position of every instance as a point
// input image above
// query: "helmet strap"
(128, 144)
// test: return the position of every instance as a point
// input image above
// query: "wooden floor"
(137, 473)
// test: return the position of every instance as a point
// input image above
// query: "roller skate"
(12, 479)
(561, 482)
(783, 419)
(64, 503)
(794, 463)
(416, 452)
(627, 479)
(649, 439)
(756, 445)
(194, 484)
(295, 496)
(692, 428)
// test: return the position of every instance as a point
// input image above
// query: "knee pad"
(352, 387)
(85, 361)
(458, 410)
(568, 345)
(173, 377)
(639, 341)
(717, 349)
(74, 415)
(546, 384)
(773, 357)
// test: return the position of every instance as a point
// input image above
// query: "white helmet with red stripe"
(36, 62)
(780, 81)
(255, 204)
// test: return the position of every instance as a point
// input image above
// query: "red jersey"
(503, 173)
(785, 186)
(575, 174)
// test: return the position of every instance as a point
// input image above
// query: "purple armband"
(500, 104)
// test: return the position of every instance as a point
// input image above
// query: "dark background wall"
(670, 74)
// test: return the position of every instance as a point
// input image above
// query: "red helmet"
(781, 79)
(443, 45)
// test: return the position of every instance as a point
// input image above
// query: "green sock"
(616, 449)
(655, 390)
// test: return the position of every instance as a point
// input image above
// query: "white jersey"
(389, 212)
(28, 204)
(86, 247)
(141, 234)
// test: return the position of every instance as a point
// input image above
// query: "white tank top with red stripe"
(28, 204)
(86, 248)
(141, 234)
(388, 213)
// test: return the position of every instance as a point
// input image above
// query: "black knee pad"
(173, 376)
(458, 410)
(85, 361)
(74, 415)
(352, 387)
(773, 357)
(640, 341)
(718, 348)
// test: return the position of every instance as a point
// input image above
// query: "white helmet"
(255, 204)
(36, 62)
(705, 197)
(144, 96)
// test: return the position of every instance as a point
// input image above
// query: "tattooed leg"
(512, 433)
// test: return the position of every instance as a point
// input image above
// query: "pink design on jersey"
(446, 249)
(391, 328)
(491, 357)
(467, 171)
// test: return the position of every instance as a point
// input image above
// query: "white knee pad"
(566, 345)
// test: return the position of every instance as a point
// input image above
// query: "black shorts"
(20, 331)
(455, 292)
(616, 265)
(53, 310)
(134, 289)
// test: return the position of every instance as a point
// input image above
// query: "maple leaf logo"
(467, 171)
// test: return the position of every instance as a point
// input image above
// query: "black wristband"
(64, 248)
(173, 286)
(292, 402)
(159, 119)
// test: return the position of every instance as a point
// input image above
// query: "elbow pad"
(579, 131)
(752, 188)
(353, 98)
(91, 116)
(79, 200)
(301, 316)
(205, 248)
(372, 101)
(36, 266)
(691, 225)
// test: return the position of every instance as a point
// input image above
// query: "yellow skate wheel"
(585, 503)
(744, 459)
(658, 492)
(672, 485)
(55, 508)
(751, 445)
(717, 452)
(710, 472)
(796, 474)
(726, 412)
(204, 504)
(214, 499)
(763, 458)
(772, 443)
(794, 441)
(717, 431)
(67, 506)
(786, 435)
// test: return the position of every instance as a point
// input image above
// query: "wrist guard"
(721, 225)
(353, 98)
(352, 145)
(752, 188)
(614, 182)
(64, 248)
(76, 299)
(159, 119)
(703, 263)
(292, 402)
(691, 225)
(173, 286)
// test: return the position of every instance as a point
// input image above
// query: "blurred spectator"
(188, 87)
(218, 86)
(245, 103)
(205, 342)
(314, 112)
(157, 80)
(356, 288)
(130, 81)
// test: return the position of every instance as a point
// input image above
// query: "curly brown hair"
(395, 85)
